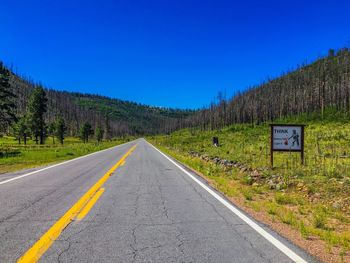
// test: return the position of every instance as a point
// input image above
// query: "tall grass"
(15, 157)
(315, 200)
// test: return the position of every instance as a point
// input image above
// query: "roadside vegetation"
(309, 204)
(30, 139)
(15, 157)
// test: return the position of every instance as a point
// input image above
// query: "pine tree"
(7, 105)
(51, 129)
(37, 107)
(85, 132)
(107, 128)
(60, 129)
(21, 130)
(99, 134)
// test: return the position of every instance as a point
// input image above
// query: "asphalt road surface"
(150, 211)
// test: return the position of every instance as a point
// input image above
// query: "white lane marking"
(278, 244)
(55, 165)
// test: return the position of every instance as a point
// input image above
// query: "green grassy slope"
(312, 199)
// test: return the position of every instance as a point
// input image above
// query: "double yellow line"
(78, 211)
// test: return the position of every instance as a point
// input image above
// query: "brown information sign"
(287, 138)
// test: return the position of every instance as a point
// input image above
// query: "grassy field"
(312, 200)
(14, 156)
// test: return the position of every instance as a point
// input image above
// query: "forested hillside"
(121, 117)
(313, 88)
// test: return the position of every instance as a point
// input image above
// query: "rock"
(271, 184)
(300, 185)
(279, 186)
(205, 158)
(336, 205)
(217, 160)
(227, 163)
(243, 169)
(256, 173)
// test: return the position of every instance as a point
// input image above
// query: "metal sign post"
(216, 141)
(287, 138)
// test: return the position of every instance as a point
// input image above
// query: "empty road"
(129, 203)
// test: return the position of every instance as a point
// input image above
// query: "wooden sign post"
(287, 138)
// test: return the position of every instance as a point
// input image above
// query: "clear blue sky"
(166, 53)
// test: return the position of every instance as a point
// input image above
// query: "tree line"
(117, 117)
(323, 84)
(32, 122)
(310, 88)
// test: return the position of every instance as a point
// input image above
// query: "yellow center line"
(46, 240)
(90, 204)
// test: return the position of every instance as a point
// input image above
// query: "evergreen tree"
(85, 132)
(52, 131)
(60, 129)
(107, 128)
(37, 107)
(21, 130)
(7, 105)
(99, 134)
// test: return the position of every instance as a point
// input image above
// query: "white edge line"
(58, 164)
(278, 244)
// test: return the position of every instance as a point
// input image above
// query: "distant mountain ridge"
(124, 117)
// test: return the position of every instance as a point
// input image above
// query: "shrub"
(319, 219)
(288, 218)
(303, 230)
(272, 208)
(248, 195)
(247, 180)
(284, 199)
